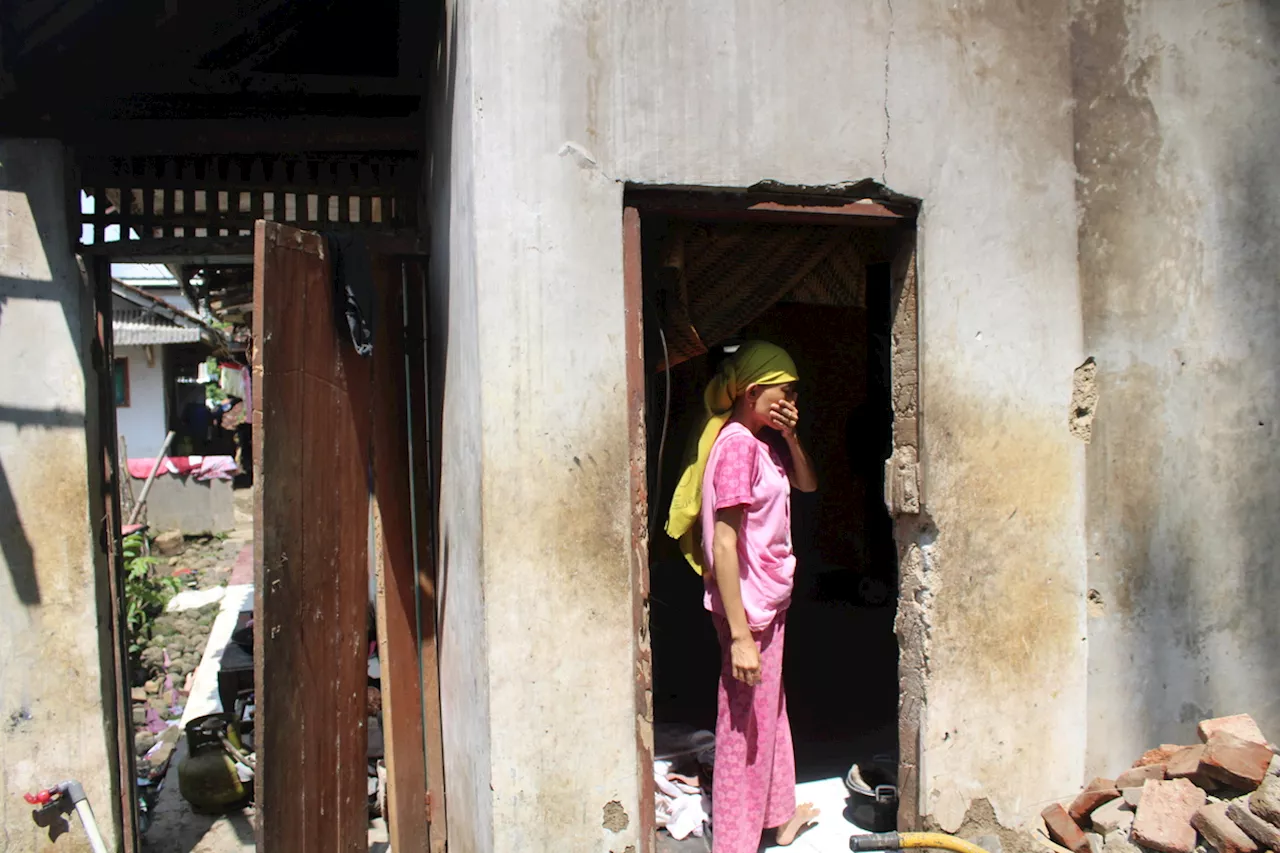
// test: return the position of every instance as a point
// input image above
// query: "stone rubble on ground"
(1063, 830)
(1112, 816)
(1135, 776)
(1219, 796)
(170, 543)
(1266, 834)
(1265, 802)
(1220, 831)
(1096, 793)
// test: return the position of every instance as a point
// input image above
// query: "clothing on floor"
(744, 471)
(682, 809)
(755, 772)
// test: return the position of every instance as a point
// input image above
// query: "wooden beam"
(259, 35)
(198, 29)
(424, 522)
(213, 136)
(118, 717)
(396, 570)
(198, 82)
(633, 305)
(61, 19)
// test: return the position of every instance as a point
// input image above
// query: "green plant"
(145, 592)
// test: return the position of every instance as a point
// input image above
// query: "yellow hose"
(937, 841)
(912, 841)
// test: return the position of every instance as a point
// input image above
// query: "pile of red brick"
(1220, 795)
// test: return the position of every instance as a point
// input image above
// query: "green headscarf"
(755, 363)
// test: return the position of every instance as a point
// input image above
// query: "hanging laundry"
(232, 380)
(247, 377)
(217, 468)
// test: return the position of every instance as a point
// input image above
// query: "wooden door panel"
(312, 458)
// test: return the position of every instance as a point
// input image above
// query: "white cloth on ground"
(683, 809)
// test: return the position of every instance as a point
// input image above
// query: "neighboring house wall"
(143, 423)
(1177, 121)
(55, 650)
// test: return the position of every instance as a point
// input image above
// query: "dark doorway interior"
(841, 656)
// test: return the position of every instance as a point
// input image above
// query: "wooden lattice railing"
(178, 205)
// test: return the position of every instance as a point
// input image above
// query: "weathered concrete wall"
(967, 108)
(53, 723)
(143, 423)
(1178, 114)
(463, 644)
(190, 505)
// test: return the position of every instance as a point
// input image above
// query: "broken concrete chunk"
(1221, 831)
(1265, 802)
(1255, 827)
(1135, 776)
(1160, 755)
(1274, 768)
(1112, 816)
(1163, 820)
(1095, 842)
(1096, 793)
(1063, 830)
(1132, 796)
(1235, 761)
(1240, 725)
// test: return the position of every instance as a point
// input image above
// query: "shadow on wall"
(14, 542)
(15, 546)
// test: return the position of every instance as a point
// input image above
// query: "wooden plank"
(397, 599)
(632, 289)
(311, 455)
(424, 523)
(119, 719)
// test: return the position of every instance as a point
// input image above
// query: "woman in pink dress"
(732, 515)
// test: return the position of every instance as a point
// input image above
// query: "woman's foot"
(806, 816)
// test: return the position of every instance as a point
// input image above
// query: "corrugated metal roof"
(136, 327)
(146, 273)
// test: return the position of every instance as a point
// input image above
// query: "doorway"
(822, 279)
(368, 571)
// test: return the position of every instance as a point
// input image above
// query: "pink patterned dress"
(755, 777)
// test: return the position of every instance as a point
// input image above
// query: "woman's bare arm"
(724, 550)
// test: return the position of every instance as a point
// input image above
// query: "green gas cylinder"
(207, 777)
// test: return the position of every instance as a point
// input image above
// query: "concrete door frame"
(865, 204)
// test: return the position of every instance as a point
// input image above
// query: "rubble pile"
(1222, 795)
